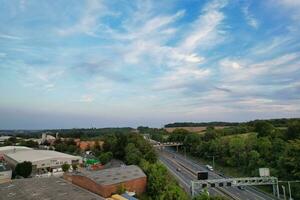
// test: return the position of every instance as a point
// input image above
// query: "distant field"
(243, 135)
(192, 129)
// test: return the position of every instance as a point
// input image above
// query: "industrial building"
(107, 181)
(42, 160)
(44, 188)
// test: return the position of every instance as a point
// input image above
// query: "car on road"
(210, 168)
(241, 187)
(178, 169)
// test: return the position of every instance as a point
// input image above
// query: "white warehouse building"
(41, 160)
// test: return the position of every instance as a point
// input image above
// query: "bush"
(65, 167)
(24, 169)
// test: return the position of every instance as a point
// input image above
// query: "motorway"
(173, 160)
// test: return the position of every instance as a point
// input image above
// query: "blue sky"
(66, 64)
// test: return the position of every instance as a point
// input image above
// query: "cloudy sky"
(67, 64)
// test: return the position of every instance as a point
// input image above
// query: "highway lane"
(248, 194)
(183, 177)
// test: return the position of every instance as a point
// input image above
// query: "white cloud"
(181, 78)
(41, 78)
(230, 64)
(235, 71)
(86, 98)
(205, 31)
(249, 17)
(87, 24)
(10, 37)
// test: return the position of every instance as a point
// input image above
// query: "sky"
(115, 63)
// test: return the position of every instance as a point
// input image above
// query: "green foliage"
(293, 131)
(29, 143)
(191, 124)
(133, 155)
(121, 189)
(74, 167)
(160, 185)
(66, 146)
(105, 157)
(24, 169)
(65, 167)
(263, 128)
(173, 192)
(205, 196)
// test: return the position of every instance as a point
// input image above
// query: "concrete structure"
(5, 173)
(107, 181)
(42, 160)
(44, 189)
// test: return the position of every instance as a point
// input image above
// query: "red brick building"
(107, 182)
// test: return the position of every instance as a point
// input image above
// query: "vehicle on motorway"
(210, 168)
(221, 174)
(178, 169)
(242, 187)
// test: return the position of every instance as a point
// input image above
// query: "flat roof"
(115, 175)
(51, 188)
(37, 155)
(11, 148)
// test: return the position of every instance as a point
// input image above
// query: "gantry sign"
(199, 185)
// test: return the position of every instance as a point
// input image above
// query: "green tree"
(132, 154)
(174, 192)
(293, 131)
(29, 143)
(290, 160)
(24, 169)
(263, 128)
(74, 167)
(105, 157)
(151, 156)
(65, 167)
(157, 180)
(236, 146)
(253, 160)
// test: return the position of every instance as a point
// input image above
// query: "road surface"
(174, 160)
